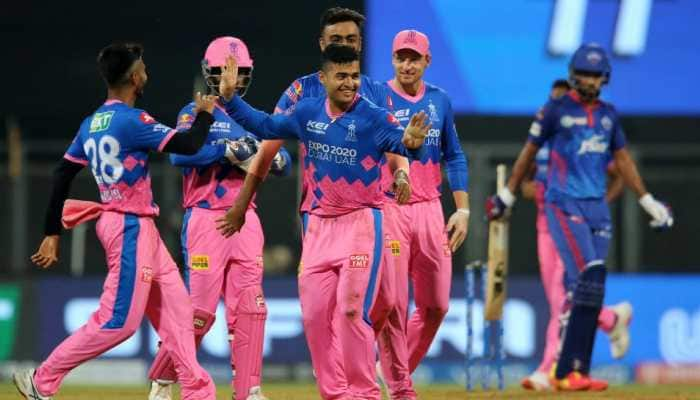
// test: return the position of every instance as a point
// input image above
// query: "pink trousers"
(142, 278)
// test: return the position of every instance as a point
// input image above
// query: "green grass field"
(432, 392)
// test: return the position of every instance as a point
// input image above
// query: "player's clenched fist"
(229, 78)
(47, 255)
(416, 131)
(204, 103)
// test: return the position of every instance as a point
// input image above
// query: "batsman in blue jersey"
(584, 133)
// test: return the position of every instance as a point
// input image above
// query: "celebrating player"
(612, 320)
(141, 277)
(345, 136)
(217, 266)
(417, 230)
(339, 26)
(583, 133)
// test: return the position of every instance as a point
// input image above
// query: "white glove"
(661, 217)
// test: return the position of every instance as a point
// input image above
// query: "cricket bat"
(498, 259)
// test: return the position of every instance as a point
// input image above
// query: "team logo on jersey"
(200, 262)
(606, 122)
(101, 121)
(297, 87)
(432, 111)
(146, 274)
(146, 119)
(351, 137)
(359, 261)
(595, 144)
(317, 127)
(567, 121)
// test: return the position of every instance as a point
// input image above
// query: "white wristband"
(507, 197)
(647, 201)
(464, 211)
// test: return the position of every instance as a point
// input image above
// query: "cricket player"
(345, 136)
(216, 266)
(612, 320)
(584, 133)
(142, 276)
(417, 232)
(341, 26)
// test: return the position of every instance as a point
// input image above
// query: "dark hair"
(115, 61)
(561, 83)
(338, 54)
(335, 15)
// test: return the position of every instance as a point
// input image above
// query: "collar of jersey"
(332, 116)
(413, 99)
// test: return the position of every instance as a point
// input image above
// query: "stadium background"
(496, 60)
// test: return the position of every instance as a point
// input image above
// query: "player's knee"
(590, 287)
(352, 313)
(436, 314)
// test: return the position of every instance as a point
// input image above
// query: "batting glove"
(661, 215)
(241, 152)
(498, 204)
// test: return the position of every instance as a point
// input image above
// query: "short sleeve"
(542, 128)
(149, 134)
(76, 152)
(618, 139)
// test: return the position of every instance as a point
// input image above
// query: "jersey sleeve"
(542, 128)
(379, 94)
(618, 139)
(388, 135)
(75, 152)
(206, 155)
(149, 134)
(455, 160)
(290, 97)
(262, 124)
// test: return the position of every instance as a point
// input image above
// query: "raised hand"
(204, 103)
(229, 78)
(47, 255)
(416, 131)
(401, 186)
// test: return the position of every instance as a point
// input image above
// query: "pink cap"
(413, 40)
(221, 47)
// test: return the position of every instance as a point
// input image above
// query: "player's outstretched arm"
(497, 204)
(661, 217)
(189, 142)
(63, 176)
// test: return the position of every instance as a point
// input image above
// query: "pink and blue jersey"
(442, 144)
(342, 152)
(115, 142)
(310, 86)
(581, 139)
(209, 180)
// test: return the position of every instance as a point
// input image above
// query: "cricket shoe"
(597, 385)
(161, 389)
(537, 381)
(24, 382)
(255, 393)
(574, 381)
(620, 333)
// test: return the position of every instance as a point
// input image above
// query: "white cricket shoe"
(255, 393)
(161, 390)
(537, 381)
(24, 382)
(620, 334)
